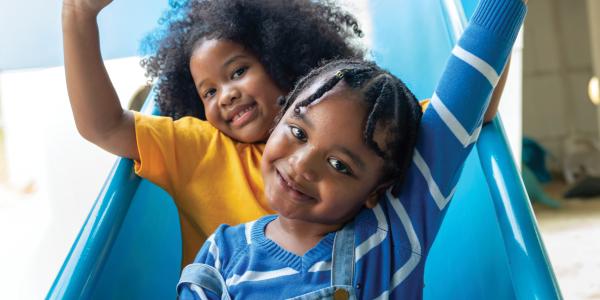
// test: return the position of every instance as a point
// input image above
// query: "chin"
(282, 208)
(247, 137)
(252, 135)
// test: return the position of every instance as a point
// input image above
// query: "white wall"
(557, 67)
(43, 148)
(510, 108)
(593, 8)
(360, 9)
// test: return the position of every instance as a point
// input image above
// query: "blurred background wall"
(557, 67)
(49, 175)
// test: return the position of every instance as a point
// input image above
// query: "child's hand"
(89, 7)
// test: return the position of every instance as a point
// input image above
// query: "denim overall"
(342, 273)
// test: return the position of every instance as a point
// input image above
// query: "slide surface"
(488, 247)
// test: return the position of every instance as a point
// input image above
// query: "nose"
(229, 95)
(303, 164)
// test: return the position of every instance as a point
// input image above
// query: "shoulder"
(230, 237)
(183, 123)
(188, 131)
(191, 124)
(222, 246)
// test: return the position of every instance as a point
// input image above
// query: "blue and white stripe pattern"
(393, 238)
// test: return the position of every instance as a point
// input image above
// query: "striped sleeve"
(451, 124)
(210, 253)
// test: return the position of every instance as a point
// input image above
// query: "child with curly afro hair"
(220, 68)
(289, 38)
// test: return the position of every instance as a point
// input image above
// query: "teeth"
(238, 115)
(289, 184)
(293, 188)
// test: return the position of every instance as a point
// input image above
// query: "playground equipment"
(488, 247)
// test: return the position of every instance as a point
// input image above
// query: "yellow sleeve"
(424, 104)
(169, 150)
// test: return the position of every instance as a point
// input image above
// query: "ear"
(373, 197)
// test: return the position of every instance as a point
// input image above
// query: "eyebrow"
(355, 158)
(302, 117)
(228, 62)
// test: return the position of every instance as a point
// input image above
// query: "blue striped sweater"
(393, 238)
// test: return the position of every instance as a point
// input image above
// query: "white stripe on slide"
(479, 64)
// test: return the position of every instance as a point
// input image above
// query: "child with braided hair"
(360, 178)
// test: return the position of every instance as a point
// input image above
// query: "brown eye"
(209, 93)
(339, 166)
(298, 133)
(239, 72)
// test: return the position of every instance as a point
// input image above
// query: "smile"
(291, 189)
(243, 115)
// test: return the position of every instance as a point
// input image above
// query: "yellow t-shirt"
(212, 178)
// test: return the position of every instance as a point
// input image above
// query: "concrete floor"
(571, 235)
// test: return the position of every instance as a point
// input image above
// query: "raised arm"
(96, 108)
(451, 124)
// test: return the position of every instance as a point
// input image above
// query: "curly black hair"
(289, 37)
(392, 109)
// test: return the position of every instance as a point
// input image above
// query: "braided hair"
(393, 112)
(290, 38)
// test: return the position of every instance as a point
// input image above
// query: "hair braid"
(372, 119)
(328, 85)
(392, 109)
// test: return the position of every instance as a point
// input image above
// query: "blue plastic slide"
(488, 247)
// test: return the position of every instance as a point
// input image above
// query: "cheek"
(266, 88)
(346, 194)
(278, 146)
(212, 114)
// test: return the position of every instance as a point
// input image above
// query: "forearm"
(479, 59)
(492, 109)
(96, 108)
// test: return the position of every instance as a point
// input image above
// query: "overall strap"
(206, 277)
(342, 265)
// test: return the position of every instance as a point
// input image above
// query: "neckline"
(320, 252)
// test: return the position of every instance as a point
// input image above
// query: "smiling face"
(239, 96)
(316, 166)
